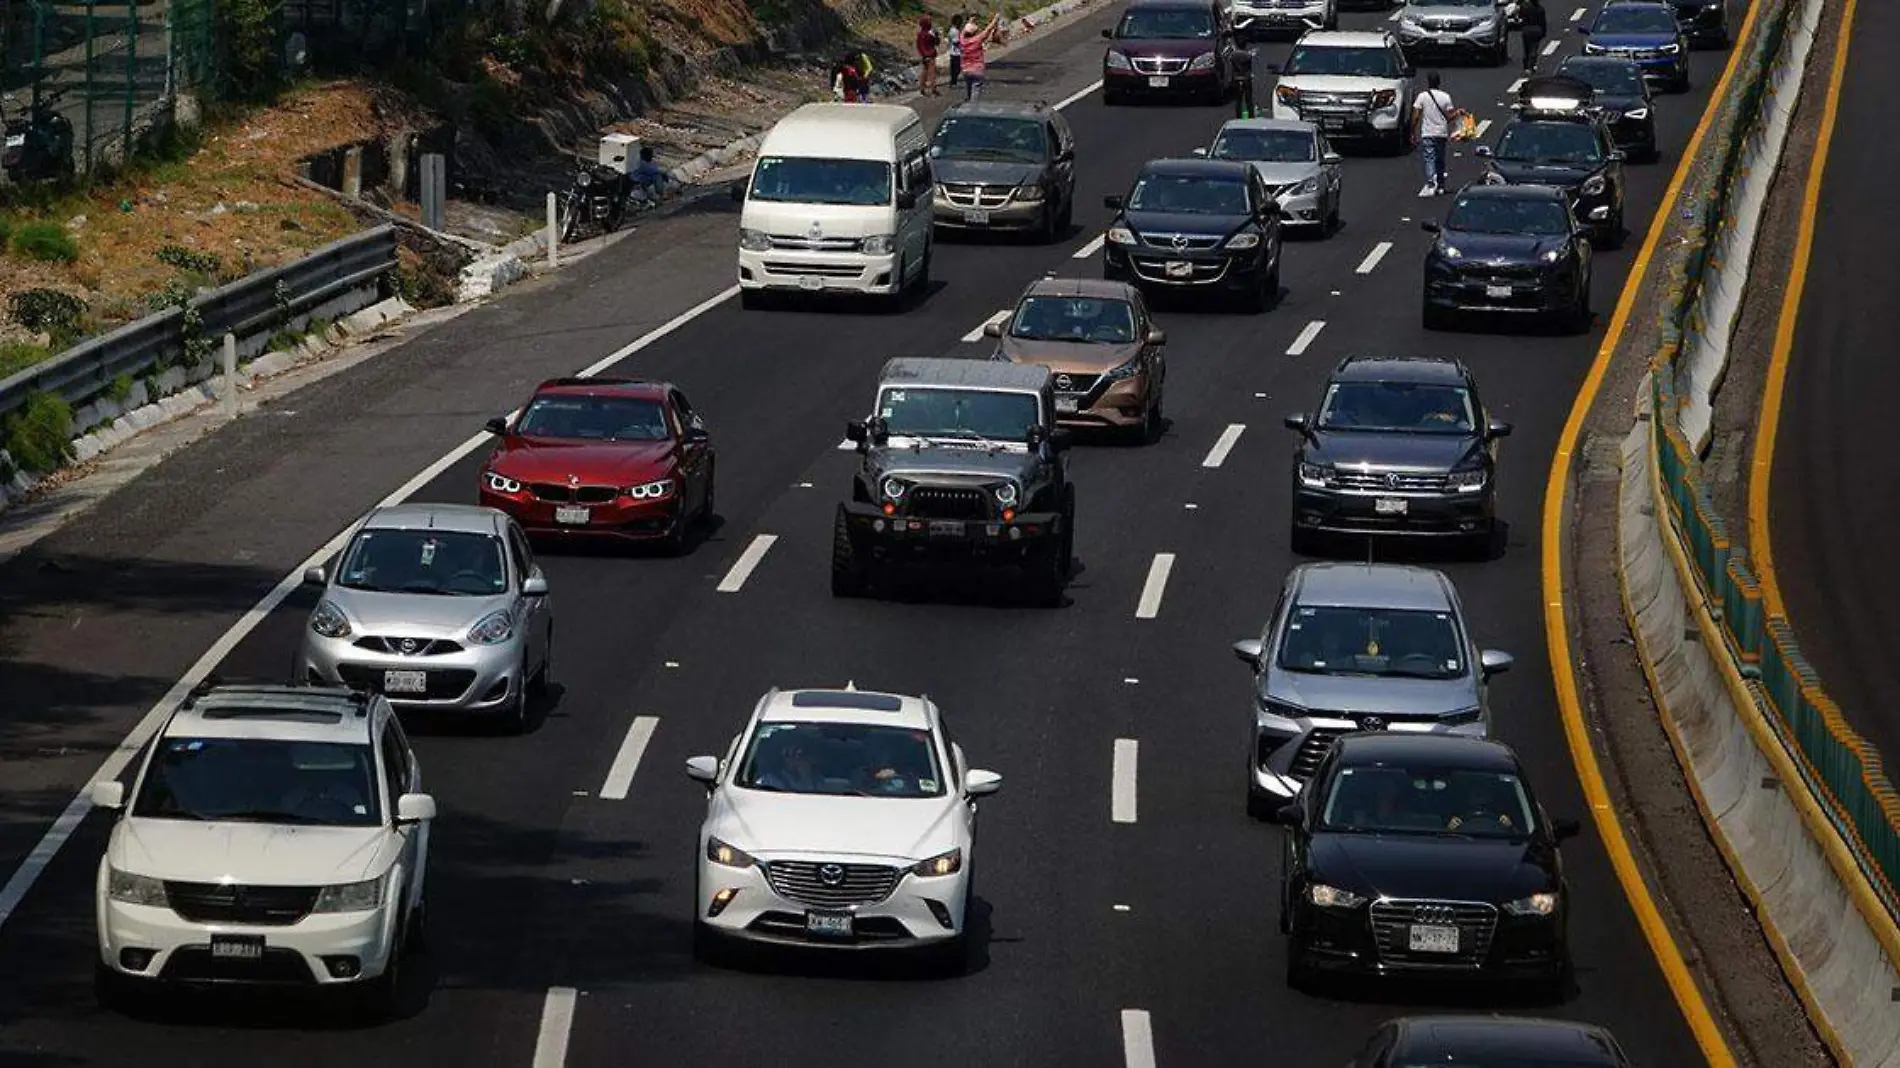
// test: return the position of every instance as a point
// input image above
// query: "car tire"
(417, 938)
(1302, 541)
(1616, 235)
(381, 998)
(1261, 808)
(847, 572)
(1298, 975)
(109, 989)
(544, 678)
(754, 299)
(678, 539)
(1042, 572)
(1433, 318)
(1331, 224)
(1068, 215)
(1153, 425)
(1577, 320)
(707, 512)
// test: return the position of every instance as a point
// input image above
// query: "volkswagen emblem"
(1180, 242)
(1064, 383)
(1392, 480)
(408, 646)
(831, 874)
(1371, 723)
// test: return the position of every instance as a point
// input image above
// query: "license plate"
(573, 517)
(1330, 122)
(1158, 81)
(1389, 506)
(237, 947)
(405, 682)
(946, 528)
(1068, 405)
(1443, 38)
(838, 924)
(1426, 939)
(1180, 270)
(1497, 292)
(811, 281)
(977, 218)
(16, 140)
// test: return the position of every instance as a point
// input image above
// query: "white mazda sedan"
(838, 818)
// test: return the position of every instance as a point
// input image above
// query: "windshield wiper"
(261, 815)
(966, 434)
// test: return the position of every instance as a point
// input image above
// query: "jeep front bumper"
(901, 537)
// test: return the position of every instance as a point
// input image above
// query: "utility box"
(620, 152)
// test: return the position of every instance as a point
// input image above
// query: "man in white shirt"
(1432, 117)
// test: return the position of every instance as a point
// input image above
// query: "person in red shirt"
(927, 55)
(846, 82)
(973, 42)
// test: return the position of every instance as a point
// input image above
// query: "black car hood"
(1163, 222)
(984, 171)
(1620, 102)
(1388, 449)
(1523, 172)
(1427, 866)
(954, 464)
(1499, 249)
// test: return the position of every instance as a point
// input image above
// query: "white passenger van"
(838, 201)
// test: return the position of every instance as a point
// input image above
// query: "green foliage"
(48, 311)
(514, 49)
(187, 260)
(422, 288)
(175, 293)
(38, 436)
(252, 40)
(17, 356)
(6, 230)
(120, 388)
(490, 107)
(45, 241)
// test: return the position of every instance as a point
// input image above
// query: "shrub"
(6, 230)
(120, 388)
(17, 356)
(48, 311)
(187, 260)
(39, 435)
(489, 106)
(45, 241)
(249, 32)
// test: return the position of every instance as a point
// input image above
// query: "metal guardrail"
(260, 303)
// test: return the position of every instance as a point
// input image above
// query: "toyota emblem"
(1180, 242)
(831, 874)
(408, 645)
(817, 230)
(1064, 382)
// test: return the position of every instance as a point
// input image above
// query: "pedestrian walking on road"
(1531, 29)
(927, 56)
(973, 42)
(1432, 117)
(956, 47)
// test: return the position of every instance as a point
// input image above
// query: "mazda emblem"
(831, 875)
(1064, 382)
(1180, 242)
(408, 645)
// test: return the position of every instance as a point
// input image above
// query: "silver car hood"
(416, 614)
(1274, 173)
(1463, 13)
(1357, 694)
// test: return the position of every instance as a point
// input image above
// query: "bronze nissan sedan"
(1103, 352)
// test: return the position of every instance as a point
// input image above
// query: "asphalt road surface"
(1834, 505)
(1151, 941)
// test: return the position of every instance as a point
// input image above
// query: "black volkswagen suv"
(1508, 249)
(1568, 147)
(1197, 225)
(1622, 100)
(1397, 445)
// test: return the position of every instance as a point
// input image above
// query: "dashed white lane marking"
(1095, 245)
(1122, 780)
(1577, 15)
(1157, 584)
(557, 1020)
(1078, 94)
(748, 561)
(627, 761)
(1515, 86)
(1223, 445)
(1372, 258)
(1550, 46)
(1483, 125)
(1138, 1039)
(847, 445)
(1307, 334)
(977, 334)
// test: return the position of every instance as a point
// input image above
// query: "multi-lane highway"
(1142, 931)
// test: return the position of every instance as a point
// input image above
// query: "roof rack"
(358, 696)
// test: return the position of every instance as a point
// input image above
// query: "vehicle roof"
(1483, 1036)
(1014, 109)
(840, 131)
(459, 518)
(1450, 750)
(1636, 3)
(1397, 586)
(1098, 288)
(604, 387)
(1526, 191)
(1233, 169)
(1573, 115)
(968, 374)
(1600, 60)
(1345, 38)
(847, 704)
(293, 713)
(1174, 4)
(1291, 125)
(1400, 369)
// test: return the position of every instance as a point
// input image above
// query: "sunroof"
(290, 715)
(868, 702)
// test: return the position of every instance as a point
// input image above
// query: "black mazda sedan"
(1508, 250)
(1197, 225)
(1423, 854)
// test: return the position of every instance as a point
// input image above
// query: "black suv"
(1004, 165)
(1197, 225)
(1622, 100)
(1566, 146)
(1510, 249)
(960, 463)
(1397, 445)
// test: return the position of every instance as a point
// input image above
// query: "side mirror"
(535, 585)
(1407, 71)
(415, 808)
(1298, 422)
(1157, 336)
(878, 430)
(703, 769)
(497, 426)
(1431, 227)
(1498, 429)
(1495, 661)
(1289, 816)
(1332, 157)
(1482, 151)
(1250, 652)
(1108, 34)
(857, 431)
(1112, 203)
(315, 576)
(696, 435)
(993, 329)
(1201, 153)
(739, 190)
(907, 199)
(980, 783)
(1060, 439)
(1561, 829)
(1601, 214)
(108, 794)
(1617, 155)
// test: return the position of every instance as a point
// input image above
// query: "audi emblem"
(1064, 382)
(831, 875)
(1435, 914)
(408, 645)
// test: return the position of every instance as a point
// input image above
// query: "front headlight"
(1117, 61)
(1243, 241)
(1553, 255)
(495, 628)
(1029, 193)
(1452, 252)
(1593, 185)
(651, 491)
(893, 489)
(731, 856)
(1124, 370)
(1383, 98)
(1637, 113)
(1287, 95)
(755, 240)
(130, 889)
(1463, 718)
(1535, 905)
(1332, 897)
(1411, 25)
(1315, 476)
(1204, 61)
(352, 897)
(1121, 235)
(502, 484)
(942, 864)
(1485, 25)
(1466, 481)
(1590, 49)
(329, 621)
(878, 245)
(1305, 188)
(1493, 178)
(1669, 49)
(1006, 494)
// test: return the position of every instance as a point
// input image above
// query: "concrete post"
(554, 234)
(230, 376)
(353, 172)
(434, 189)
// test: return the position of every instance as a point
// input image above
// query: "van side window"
(914, 172)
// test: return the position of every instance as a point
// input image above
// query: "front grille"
(945, 502)
(409, 646)
(1181, 242)
(557, 493)
(831, 886)
(817, 244)
(1445, 25)
(1333, 103)
(443, 685)
(195, 964)
(967, 195)
(257, 906)
(1502, 273)
(863, 928)
(1068, 383)
(1637, 53)
(1158, 64)
(1388, 481)
(1156, 270)
(827, 270)
(1313, 749)
(1392, 922)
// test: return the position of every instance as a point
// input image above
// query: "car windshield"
(842, 758)
(1351, 62)
(1550, 142)
(564, 416)
(991, 138)
(1392, 642)
(1382, 799)
(958, 413)
(440, 562)
(1635, 18)
(261, 780)
(1508, 215)
(1609, 79)
(1165, 24)
(1188, 194)
(1265, 146)
(798, 180)
(1085, 319)
(1398, 406)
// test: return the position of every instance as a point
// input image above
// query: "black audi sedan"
(1396, 446)
(1423, 854)
(1508, 250)
(1571, 149)
(1622, 100)
(1197, 225)
(1490, 1040)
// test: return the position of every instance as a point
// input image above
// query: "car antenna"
(851, 685)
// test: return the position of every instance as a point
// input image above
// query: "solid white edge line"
(627, 761)
(748, 561)
(1123, 780)
(1515, 86)
(1577, 15)
(1372, 258)
(1078, 94)
(1483, 125)
(1307, 334)
(977, 334)
(1550, 46)
(1157, 585)
(557, 1021)
(1138, 1039)
(1095, 245)
(1223, 445)
(660, 331)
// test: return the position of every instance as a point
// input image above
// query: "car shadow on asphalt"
(1425, 552)
(1438, 993)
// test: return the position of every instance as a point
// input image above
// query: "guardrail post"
(230, 376)
(434, 188)
(553, 234)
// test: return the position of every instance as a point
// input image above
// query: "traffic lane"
(1832, 506)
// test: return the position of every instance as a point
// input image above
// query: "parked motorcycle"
(596, 201)
(39, 140)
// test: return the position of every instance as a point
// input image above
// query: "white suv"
(1353, 85)
(838, 818)
(275, 834)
